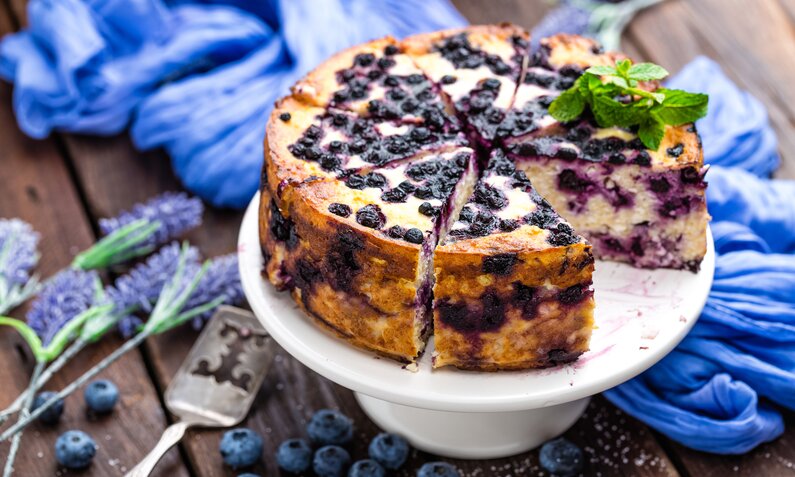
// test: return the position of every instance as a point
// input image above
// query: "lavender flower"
(175, 211)
(68, 294)
(140, 288)
(222, 279)
(18, 254)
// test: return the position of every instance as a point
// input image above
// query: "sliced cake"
(477, 68)
(513, 280)
(356, 253)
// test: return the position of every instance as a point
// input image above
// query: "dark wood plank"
(38, 188)
(753, 41)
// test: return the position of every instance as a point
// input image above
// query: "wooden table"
(62, 185)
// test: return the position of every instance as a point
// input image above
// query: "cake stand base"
(473, 435)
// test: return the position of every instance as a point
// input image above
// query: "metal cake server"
(218, 380)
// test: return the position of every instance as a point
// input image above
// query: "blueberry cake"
(420, 188)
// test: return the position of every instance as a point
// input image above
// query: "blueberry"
(75, 449)
(676, 151)
(389, 450)
(366, 468)
(364, 59)
(284, 117)
(449, 79)
(500, 264)
(370, 216)
(52, 415)
(414, 235)
(561, 457)
(294, 455)
(339, 209)
(391, 50)
(331, 461)
(241, 447)
(101, 396)
(437, 469)
(427, 209)
(330, 427)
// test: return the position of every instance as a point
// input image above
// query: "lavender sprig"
(66, 295)
(222, 279)
(18, 256)
(168, 312)
(139, 231)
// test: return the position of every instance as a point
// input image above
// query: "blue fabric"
(198, 78)
(718, 390)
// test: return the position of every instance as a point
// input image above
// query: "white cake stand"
(641, 315)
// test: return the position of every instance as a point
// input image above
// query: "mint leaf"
(647, 72)
(568, 106)
(680, 107)
(609, 112)
(622, 67)
(600, 70)
(651, 132)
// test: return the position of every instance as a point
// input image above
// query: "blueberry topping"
(340, 209)
(569, 180)
(437, 469)
(396, 231)
(374, 179)
(509, 225)
(491, 83)
(331, 461)
(391, 50)
(391, 81)
(415, 78)
(676, 151)
(294, 455)
(428, 210)
(75, 449)
(101, 396)
(285, 117)
(489, 196)
(467, 215)
(690, 175)
(53, 414)
(562, 235)
(501, 264)
(241, 447)
(449, 79)
(366, 468)
(389, 450)
(542, 217)
(364, 59)
(386, 63)
(566, 153)
(394, 195)
(328, 426)
(355, 181)
(414, 235)
(572, 295)
(617, 158)
(643, 159)
(561, 457)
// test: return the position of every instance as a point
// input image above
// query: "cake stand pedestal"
(641, 315)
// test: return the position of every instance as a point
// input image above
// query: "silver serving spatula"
(218, 380)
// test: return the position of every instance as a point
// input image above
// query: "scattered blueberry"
(561, 457)
(437, 469)
(101, 396)
(330, 427)
(53, 414)
(75, 449)
(389, 450)
(366, 468)
(241, 447)
(294, 455)
(331, 461)
(414, 235)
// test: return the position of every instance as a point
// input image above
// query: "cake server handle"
(171, 436)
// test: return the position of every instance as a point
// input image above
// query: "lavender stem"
(74, 385)
(28, 393)
(45, 376)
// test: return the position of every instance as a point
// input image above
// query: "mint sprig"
(614, 97)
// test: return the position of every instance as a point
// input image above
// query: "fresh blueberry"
(366, 468)
(294, 455)
(331, 461)
(561, 457)
(241, 447)
(389, 450)
(330, 427)
(52, 415)
(101, 396)
(437, 469)
(75, 449)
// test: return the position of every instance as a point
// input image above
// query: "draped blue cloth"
(199, 78)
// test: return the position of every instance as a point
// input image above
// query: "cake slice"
(634, 205)
(477, 68)
(304, 141)
(513, 286)
(377, 80)
(356, 254)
